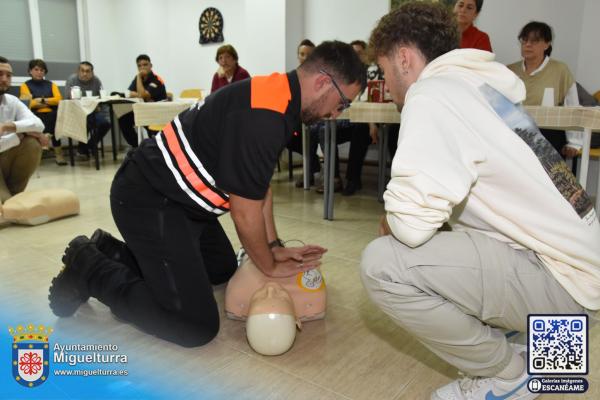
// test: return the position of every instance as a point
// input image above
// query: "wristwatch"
(276, 243)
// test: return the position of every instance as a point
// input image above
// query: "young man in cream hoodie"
(525, 238)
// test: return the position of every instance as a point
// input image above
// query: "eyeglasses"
(346, 103)
(530, 40)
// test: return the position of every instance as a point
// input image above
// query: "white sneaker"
(469, 388)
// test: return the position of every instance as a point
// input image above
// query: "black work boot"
(114, 249)
(69, 290)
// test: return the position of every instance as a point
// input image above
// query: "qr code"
(557, 344)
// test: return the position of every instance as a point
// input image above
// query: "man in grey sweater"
(98, 120)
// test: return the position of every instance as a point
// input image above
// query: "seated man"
(98, 120)
(360, 137)
(147, 86)
(524, 238)
(21, 139)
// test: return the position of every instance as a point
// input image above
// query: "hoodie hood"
(482, 64)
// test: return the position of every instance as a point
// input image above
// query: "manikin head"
(271, 323)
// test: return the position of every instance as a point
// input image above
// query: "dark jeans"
(557, 139)
(393, 130)
(180, 258)
(127, 125)
(358, 135)
(295, 145)
(49, 121)
(99, 125)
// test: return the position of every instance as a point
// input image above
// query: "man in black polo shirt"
(216, 157)
(147, 86)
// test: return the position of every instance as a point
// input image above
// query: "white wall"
(344, 20)
(265, 36)
(267, 32)
(588, 71)
(168, 33)
(294, 22)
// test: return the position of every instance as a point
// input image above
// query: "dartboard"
(211, 26)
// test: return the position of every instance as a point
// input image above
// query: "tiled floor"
(355, 353)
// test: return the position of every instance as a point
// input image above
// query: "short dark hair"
(430, 27)
(89, 64)
(340, 60)
(226, 48)
(539, 30)
(478, 5)
(306, 42)
(37, 62)
(141, 57)
(360, 43)
(3, 60)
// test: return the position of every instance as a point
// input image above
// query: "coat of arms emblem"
(30, 354)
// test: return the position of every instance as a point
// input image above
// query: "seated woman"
(546, 77)
(466, 12)
(229, 70)
(44, 97)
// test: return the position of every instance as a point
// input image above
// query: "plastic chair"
(191, 94)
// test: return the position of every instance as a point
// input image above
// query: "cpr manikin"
(274, 306)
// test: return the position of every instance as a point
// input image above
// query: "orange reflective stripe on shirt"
(186, 169)
(270, 92)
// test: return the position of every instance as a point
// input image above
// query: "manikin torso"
(307, 290)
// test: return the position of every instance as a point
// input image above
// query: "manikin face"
(5, 77)
(303, 53)
(37, 73)
(465, 11)
(271, 323)
(272, 298)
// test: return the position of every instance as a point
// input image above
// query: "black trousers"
(99, 125)
(295, 145)
(49, 121)
(180, 258)
(558, 139)
(358, 135)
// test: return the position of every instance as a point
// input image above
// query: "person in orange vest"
(214, 158)
(43, 96)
